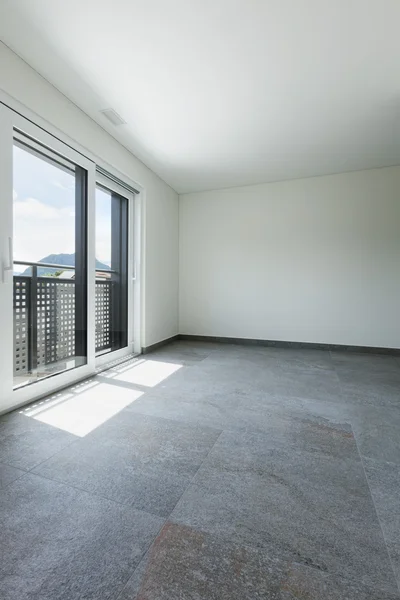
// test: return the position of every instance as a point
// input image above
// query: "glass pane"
(111, 270)
(103, 229)
(49, 301)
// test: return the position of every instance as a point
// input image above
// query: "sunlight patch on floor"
(86, 405)
(148, 373)
(113, 371)
(83, 408)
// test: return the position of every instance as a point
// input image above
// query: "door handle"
(10, 266)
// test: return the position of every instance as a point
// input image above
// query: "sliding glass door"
(112, 285)
(66, 255)
(49, 262)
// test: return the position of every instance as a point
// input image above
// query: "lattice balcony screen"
(21, 324)
(54, 322)
(103, 315)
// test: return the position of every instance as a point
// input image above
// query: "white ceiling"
(220, 93)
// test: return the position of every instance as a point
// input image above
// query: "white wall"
(311, 260)
(160, 308)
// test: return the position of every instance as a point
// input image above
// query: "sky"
(44, 211)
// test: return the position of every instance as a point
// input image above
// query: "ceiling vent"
(113, 117)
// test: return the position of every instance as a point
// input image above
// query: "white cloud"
(68, 187)
(41, 229)
(33, 209)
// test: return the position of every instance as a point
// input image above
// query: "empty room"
(199, 300)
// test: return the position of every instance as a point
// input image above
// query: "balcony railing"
(44, 317)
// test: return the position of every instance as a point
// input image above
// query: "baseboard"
(157, 345)
(284, 344)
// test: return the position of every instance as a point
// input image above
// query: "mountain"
(60, 259)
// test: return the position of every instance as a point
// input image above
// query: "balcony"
(45, 324)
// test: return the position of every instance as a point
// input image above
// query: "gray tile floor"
(206, 471)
